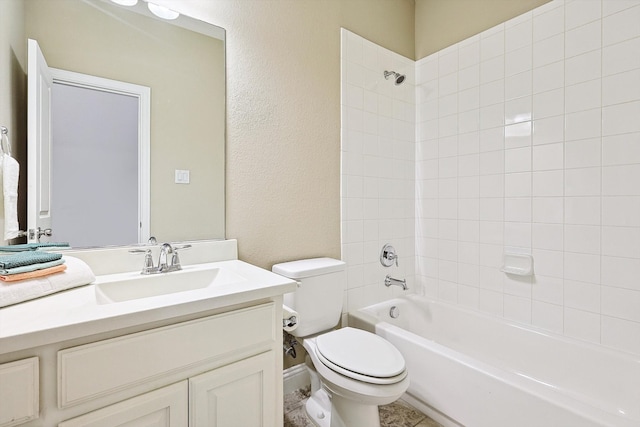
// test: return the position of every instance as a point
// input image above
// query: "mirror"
(182, 61)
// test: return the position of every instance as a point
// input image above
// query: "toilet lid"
(361, 355)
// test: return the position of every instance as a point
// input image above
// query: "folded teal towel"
(20, 259)
(32, 267)
(33, 246)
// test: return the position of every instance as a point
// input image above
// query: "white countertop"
(77, 312)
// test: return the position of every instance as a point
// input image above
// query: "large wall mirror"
(182, 62)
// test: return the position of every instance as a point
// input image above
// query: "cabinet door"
(165, 407)
(240, 394)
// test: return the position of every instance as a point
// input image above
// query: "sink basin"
(133, 286)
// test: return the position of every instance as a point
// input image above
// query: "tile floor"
(397, 414)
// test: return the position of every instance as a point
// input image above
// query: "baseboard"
(296, 377)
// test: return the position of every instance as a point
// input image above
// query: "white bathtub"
(475, 370)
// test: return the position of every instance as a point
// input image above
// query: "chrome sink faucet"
(164, 265)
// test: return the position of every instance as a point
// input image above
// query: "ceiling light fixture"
(162, 12)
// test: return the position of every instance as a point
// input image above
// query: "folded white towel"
(10, 177)
(78, 273)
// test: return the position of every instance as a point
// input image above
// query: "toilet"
(352, 371)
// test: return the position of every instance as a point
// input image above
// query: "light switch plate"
(182, 176)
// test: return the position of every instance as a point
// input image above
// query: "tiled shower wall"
(378, 169)
(529, 141)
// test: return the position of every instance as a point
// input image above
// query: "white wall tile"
(621, 26)
(623, 211)
(518, 85)
(548, 157)
(582, 296)
(622, 303)
(578, 13)
(621, 334)
(550, 103)
(583, 96)
(620, 272)
(623, 87)
(621, 149)
(517, 160)
(548, 77)
(548, 51)
(582, 182)
(547, 316)
(538, 142)
(548, 24)
(621, 180)
(581, 210)
(518, 134)
(548, 183)
(582, 325)
(582, 153)
(621, 118)
(583, 124)
(621, 241)
(519, 60)
(548, 236)
(582, 68)
(550, 210)
(517, 184)
(621, 57)
(582, 238)
(583, 39)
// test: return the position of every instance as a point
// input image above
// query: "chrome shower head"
(399, 78)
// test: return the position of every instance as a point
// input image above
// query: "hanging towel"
(31, 267)
(33, 246)
(20, 259)
(78, 273)
(10, 176)
(33, 274)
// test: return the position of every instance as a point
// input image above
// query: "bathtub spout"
(388, 281)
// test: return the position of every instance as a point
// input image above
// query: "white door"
(239, 394)
(39, 84)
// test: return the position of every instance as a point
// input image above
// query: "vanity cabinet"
(219, 370)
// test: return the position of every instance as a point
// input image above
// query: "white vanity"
(99, 355)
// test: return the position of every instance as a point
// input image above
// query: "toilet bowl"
(358, 371)
(352, 371)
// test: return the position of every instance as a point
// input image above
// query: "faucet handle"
(148, 259)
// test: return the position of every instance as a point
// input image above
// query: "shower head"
(399, 78)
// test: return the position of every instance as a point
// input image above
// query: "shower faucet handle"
(388, 255)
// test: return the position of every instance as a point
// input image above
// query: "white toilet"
(352, 371)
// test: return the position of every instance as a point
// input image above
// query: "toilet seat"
(361, 355)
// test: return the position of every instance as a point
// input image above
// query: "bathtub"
(470, 369)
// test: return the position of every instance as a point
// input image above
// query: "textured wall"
(441, 23)
(283, 116)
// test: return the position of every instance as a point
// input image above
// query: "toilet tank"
(319, 295)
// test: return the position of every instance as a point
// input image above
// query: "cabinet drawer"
(98, 369)
(19, 392)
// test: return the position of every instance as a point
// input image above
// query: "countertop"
(77, 312)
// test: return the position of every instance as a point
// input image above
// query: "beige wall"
(441, 23)
(283, 115)
(185, 71)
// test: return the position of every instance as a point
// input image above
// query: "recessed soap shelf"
(517, 264)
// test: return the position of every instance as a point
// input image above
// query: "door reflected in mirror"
(182, 63)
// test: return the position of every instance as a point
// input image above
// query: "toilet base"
(318, 409)
(340, 412)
